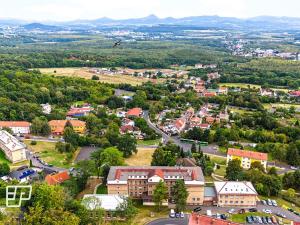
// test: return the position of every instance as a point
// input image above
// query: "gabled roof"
(57, 178)
(62, 123)
(14, 124)
(134, 112)
(247, 154)
(235, 187)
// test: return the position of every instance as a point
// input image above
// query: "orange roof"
(247, 154)
(62, 123)
(179, 123)
(134, 112)
(14, 124)
(210, 94)
(57, 178)
(196, 219)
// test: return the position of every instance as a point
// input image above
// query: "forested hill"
(22, 92)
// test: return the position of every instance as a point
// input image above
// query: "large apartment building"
(234, 193)
(17, 127)
(140, 182)
(14, 149)
(247, 157)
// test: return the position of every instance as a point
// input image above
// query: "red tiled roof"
(127, 128)
(210, 94)
(57, 178)
(14, 124)
(196, 219)
(204, 126)
(62, 123)
(74, 111)
(296, 93)
(248, 154)
(134, 112)
(179, 123)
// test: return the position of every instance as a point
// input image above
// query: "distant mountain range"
(262, 22)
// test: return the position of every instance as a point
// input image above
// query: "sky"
(66, 10)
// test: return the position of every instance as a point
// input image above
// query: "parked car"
(274, 219)
(274, 203)
(249, 219)
(281, 215)
(197, 209)
(264, 220)
(231, 211)
(296, 213)
(291, 210)
(253, 210)
(269, 211)
(172, 213)
(269, 220)
(223, 217)
(263, 202)
(259, 220)
(177, 215)
(269, 202)
(181, 215)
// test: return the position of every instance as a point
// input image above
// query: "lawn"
(221, 171)
(3, 159)
(280, 105)
(84, 73)
(144, 216)
(142, 158)
(48, 153)
(240, 85)
(218, 159)
(148, 142)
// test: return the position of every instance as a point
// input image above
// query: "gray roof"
(122, 173)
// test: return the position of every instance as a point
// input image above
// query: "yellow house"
(58, 126)
(247, 157)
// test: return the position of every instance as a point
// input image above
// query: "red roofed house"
(294, 94)
(78, 112)
(58, 126)
(17, 127)
(57, 178)
(247, 157)
(180, 124)
(196, 219)
(211, 120)
(135, 112)
(204, 126)
(209, 94)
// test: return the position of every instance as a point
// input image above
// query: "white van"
(172, 213)
(208, 212)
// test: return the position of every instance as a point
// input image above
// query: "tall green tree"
(180, 195)
(160, 194)
(234, 170)
(127, 145)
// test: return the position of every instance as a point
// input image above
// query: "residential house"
(209, 94)
(198, 66)
(17, 127)
(235, 193)
(127, 122)
(135, 112)
(222, 90)
(58, 126)
(295, 94)
(79, 111)
(247, 157)
(14, 150)
(46, 108)
(195, 121)
(204, 126)
(267, 92)
(179, 124)
(58, 178)
(212, 120)
(139, 182)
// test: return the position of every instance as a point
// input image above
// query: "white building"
(108, 202)
(46, 108)
(235, 193)
(14, 149)
(17, 127)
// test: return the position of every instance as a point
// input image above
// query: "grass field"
(148, 142)
(280, 105)
(47, 152)
(84, 73)
(221, 171)
(142, 158)
(240, 85)
(144, 215)
(3, 158)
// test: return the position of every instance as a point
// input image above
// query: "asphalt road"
(210, 149)
(85, 153)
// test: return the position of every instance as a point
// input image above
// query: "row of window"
(237, 202)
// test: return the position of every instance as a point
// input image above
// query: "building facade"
(234, 193)
(140, 182)
(247, 157)
(58, 126)
(14, 149)
(17, 127)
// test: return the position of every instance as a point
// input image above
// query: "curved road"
(210, 149)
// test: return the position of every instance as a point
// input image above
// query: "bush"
(33, 143)
(94, 77)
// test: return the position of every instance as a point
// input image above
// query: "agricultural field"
(240, 85)
(280, 105)
(84, 73)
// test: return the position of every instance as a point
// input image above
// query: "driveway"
(170, 221)
(85, 153)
